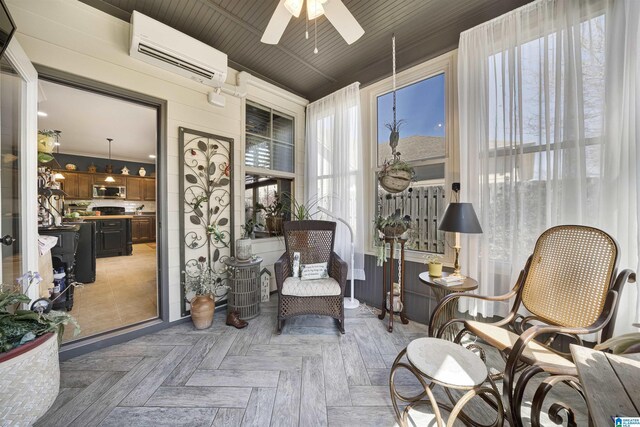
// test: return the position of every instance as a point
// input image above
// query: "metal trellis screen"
(425, 204)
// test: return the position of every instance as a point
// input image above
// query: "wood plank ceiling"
(424, 29)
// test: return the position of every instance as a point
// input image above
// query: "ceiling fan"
(335, 11)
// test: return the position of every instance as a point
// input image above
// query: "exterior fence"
(425, 204)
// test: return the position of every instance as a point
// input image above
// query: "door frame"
(126, 333)
(28, 158)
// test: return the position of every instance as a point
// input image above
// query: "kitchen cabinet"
(85, 186)
(70, 184)
(143, 228)
(135, 188)
(79, 185)
(113, 237)
(150, 189)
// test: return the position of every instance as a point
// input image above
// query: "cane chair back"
(571, 271)
(313, 239)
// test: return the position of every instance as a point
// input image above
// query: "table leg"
(391, 276)
(448, 313)
(403, 312)
(384, 294)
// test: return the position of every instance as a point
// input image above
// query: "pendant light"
(109, 178)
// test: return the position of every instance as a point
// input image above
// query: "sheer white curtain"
(548, 98)
(334, 167)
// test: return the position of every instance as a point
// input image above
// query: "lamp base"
(351, 303)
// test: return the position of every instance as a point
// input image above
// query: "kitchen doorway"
(104, 152)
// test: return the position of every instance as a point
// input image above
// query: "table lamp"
(459, 218)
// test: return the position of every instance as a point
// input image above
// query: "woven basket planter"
(395, 181)
(29, 381)
(395, 231)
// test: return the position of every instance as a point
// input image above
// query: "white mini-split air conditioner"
(167, 48)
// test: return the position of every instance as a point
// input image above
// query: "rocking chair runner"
(570, 285)
(314, 240)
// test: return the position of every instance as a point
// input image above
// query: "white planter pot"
(29, 381)
(243, 249)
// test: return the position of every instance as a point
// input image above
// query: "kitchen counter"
(107, 217)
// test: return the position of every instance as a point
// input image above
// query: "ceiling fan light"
(314, 8)
(294, 6)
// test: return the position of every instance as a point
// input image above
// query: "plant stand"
(388, 274)
(244, 287)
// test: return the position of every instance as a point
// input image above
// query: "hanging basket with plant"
(395, 175)
(393, 226)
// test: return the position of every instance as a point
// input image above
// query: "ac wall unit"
(167, 48)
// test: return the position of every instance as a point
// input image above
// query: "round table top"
(447, 363)
(234, 262)
(469, 284)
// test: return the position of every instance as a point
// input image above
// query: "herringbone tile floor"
(310, 375)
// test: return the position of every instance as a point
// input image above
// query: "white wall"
(78, 39)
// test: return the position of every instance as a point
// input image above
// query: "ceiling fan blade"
(340, 17)
(277, 24)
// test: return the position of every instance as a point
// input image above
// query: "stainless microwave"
(109, 192)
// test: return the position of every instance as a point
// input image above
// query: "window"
(269, 161)
(269, 139)
(421, 106)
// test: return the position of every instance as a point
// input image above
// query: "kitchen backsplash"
(129, 206)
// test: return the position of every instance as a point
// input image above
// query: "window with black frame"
(270, 167)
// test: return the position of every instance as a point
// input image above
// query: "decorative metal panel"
(206, 211)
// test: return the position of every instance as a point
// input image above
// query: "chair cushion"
(293, 286)
(534, 354)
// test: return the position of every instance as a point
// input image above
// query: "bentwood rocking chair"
(569, 287)
(314, 241)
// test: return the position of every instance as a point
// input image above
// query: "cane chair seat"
(534, 354)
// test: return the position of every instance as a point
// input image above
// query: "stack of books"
(449, 280)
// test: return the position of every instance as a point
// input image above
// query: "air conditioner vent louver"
(176, 62)
(158, 44)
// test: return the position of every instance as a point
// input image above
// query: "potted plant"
(434, 263)
(299, 211)
(29, 341)
(203, 285)
(273, 215)
(395, 175)
(394, 225)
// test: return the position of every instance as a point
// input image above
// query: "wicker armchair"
(569, 286)
(314, 240)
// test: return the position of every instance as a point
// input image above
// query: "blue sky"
(421, 105)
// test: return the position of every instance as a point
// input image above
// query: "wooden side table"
(388, 276)
(441, 291)
(244, 286)
(435, 361)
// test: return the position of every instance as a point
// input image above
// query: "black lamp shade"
(460, 218)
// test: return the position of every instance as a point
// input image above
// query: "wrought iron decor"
(206, 212)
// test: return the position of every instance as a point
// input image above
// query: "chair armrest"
(454, 296)
(282, 269)
(623, 277)
(338, 270)
(536, 330)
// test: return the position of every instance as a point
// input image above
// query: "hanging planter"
(395, 175)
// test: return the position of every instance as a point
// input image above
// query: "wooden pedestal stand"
(388, 275)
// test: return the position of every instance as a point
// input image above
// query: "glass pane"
(283, 157)
(11, 89)
(258, 152)
(266, 191)
(258, 121)
(424, 202)
(282, 128)
(422, 107)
